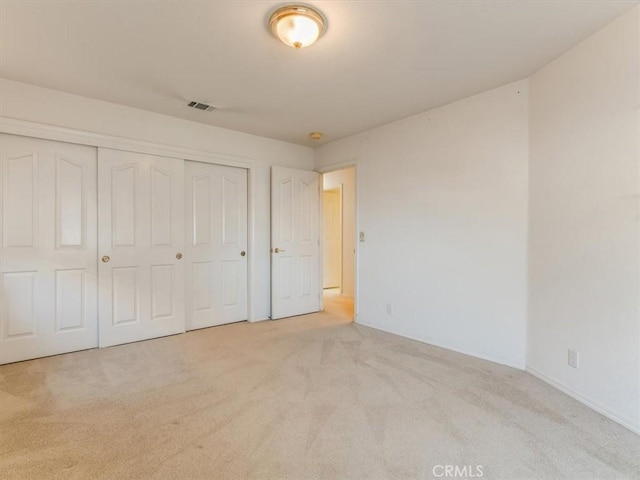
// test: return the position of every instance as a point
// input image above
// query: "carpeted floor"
(313, 397)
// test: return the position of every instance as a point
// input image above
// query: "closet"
(102, 247)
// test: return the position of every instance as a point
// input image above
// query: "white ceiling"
(379, 61)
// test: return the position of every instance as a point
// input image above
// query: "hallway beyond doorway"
(337, 304)
(339, 242)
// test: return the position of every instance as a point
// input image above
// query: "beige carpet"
(301, 398)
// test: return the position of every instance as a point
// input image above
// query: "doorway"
(332, 258)
(339, 235)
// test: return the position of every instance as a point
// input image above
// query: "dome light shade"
(297, 25)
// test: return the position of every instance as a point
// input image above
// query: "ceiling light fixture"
(315, 135)
(297, 25)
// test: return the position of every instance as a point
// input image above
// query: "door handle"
(178, 255)
(106, 259)
(278, 250)
(243, 253)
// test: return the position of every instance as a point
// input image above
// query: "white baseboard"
(519, 366)
(573, 394)
(260, 319)
(586, 401)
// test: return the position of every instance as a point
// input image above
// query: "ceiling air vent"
(201, 106)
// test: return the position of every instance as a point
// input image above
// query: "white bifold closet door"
(48, 285)
(216, 217)
(141, 241)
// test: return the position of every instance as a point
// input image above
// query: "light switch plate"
(574, 359)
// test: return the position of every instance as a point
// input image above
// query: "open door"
(295, 242)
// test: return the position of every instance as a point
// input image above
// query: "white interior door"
(141, 241)
(48, 260)
(216, 244)
(295, 242)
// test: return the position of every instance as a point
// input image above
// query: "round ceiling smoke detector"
(315, 135)
(297, 25)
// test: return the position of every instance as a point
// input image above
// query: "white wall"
(584, 255)
(442, 199)
(347, 178)
(27, 102)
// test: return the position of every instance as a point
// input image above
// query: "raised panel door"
(140, 246)
(216, 244)
(295, 252)
(48, 269)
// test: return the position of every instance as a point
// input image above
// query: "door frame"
(61, 134)
(356, 264)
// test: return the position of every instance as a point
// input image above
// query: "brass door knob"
(178, 255)
(277, 250)
(106, 259)
(243, 253)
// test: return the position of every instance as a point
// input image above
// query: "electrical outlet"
(388, 309)
(574, 359)
(362, 236)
